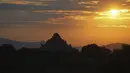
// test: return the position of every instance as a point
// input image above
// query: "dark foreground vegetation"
(56, 56)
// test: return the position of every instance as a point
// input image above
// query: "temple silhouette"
(56, 43)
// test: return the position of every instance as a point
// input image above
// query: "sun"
(114, 12)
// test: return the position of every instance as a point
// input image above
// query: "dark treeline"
(56, 56)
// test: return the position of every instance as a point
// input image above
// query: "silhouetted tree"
(93, 50)
(7, 57)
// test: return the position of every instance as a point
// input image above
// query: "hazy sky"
(78, 21)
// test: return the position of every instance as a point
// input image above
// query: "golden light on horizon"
(113, 18)
(113, 13)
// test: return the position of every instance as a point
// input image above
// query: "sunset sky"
(79, 22)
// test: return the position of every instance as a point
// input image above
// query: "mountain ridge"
(19, 44)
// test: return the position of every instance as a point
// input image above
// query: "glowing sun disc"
(114, 12)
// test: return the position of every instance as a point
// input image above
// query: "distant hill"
(114, 46)
(18, 44)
